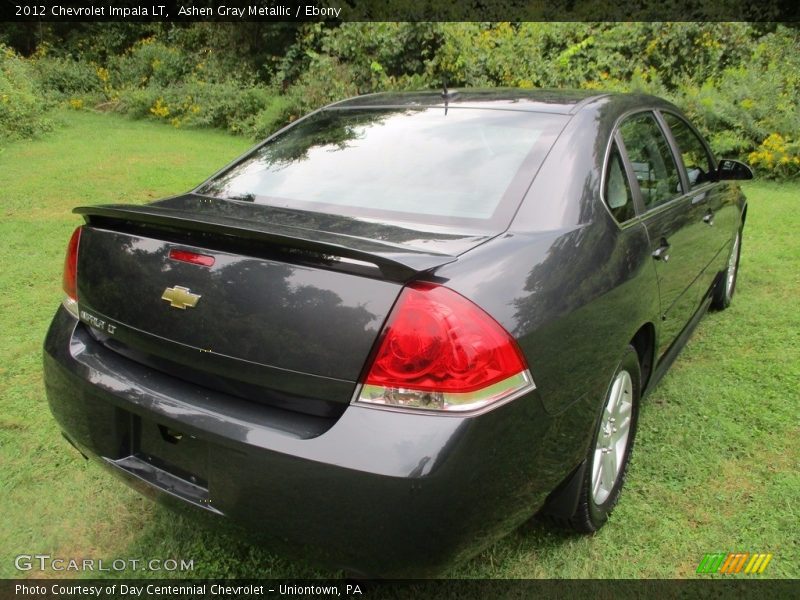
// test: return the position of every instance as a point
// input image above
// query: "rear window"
(467, 166)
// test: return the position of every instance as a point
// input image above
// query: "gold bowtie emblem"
(180, 297)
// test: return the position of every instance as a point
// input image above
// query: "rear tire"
(726, 285)
(609, 454)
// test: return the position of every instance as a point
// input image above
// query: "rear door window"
(651, 159)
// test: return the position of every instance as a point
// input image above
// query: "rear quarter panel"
(567, 282)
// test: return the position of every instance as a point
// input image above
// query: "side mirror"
(733, 169)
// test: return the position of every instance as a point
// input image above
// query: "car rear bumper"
(374, 491)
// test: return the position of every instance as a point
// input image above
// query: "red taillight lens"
(440, 351)
(71, 266)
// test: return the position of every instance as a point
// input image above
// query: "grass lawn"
(717, 457)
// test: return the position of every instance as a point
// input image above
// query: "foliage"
(778, 155)
(67, 78)
(327, 79)
(277, 112)
(22, 107)
(150, 62)
(154, 79)
(226, 105)
(751, 110)
(383, 55)
(739, 84)
(737, 81)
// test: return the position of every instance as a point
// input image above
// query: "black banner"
(398, 10)
(608, 589)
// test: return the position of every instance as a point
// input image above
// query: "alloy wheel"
(612, 439)
(733, 263)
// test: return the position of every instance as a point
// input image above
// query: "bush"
(64, 78)
(577, 54)
(777, 156)
(750, 111)
(739, 82)
(22, 108)
(150, 63)
(382, 55)
(325, 80)
(272, 117)
(228, 105)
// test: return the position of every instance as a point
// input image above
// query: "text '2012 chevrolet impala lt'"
(404, 324)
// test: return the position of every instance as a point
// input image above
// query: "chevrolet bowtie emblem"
(180, 297)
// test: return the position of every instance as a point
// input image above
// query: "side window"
(618, 191)
(650, 155)
(698, 162)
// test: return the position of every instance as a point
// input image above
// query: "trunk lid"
(287, 313)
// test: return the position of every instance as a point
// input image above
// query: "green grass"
(717, 456)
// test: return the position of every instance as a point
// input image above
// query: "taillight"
(71, 273)
(439, 351)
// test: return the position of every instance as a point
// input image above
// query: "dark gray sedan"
(404, 324)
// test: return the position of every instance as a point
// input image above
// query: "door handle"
(708, 218)
(662, 252)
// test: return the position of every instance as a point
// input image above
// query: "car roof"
(527, 100)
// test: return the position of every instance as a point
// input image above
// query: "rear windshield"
(460, 166)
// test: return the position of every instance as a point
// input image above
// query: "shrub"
(778, 156)
(739, 82)
(382, 55)
(149, 63)
(228, 105)
(741, 86)
(62, 78)
(576, 54)
(270, 118)
(750, 111)
(327, 79)
(22, 108)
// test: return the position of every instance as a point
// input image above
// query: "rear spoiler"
(395, 262)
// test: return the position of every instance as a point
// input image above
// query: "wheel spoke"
(619, 447)
(624, 393)
(622, 430)
(597, 471)
(609, 469)
(622, 390)
(614, 396)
